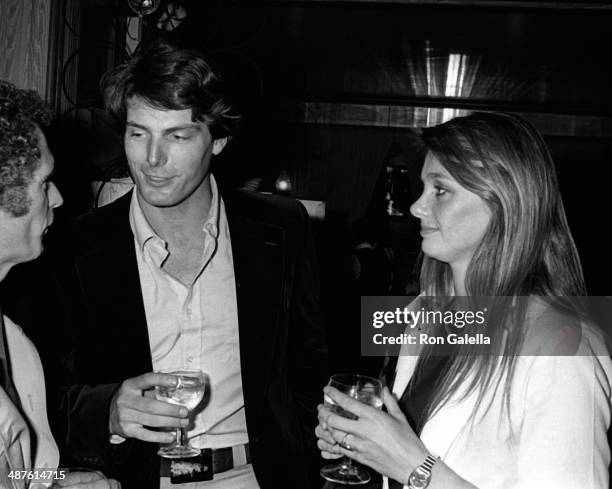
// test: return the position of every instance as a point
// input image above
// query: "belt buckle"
(192, 469)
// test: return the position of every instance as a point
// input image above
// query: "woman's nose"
(419, 208)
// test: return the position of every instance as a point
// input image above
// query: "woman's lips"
(426, 231)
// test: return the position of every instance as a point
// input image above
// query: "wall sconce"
(282, 185)
(143, 7)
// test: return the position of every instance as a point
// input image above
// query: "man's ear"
(218, 145)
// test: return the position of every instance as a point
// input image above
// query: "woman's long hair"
(526, 250)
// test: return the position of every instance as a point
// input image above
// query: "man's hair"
(170, 78)
(21, 112)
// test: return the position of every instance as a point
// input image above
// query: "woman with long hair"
(531, 412)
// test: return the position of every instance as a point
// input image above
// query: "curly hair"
(21, 112)
(170, 78)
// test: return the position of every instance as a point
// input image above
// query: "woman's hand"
(383, 441)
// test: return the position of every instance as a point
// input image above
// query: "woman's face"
(453, 219)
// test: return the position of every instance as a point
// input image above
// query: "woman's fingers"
(328, 451)
(323, 414)
(330, 419)
(324, 435)
(346, 440)
(347, 403)
(331, 440)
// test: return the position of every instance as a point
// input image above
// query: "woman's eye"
(440, 190)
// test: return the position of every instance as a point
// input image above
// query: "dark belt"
(222, 460)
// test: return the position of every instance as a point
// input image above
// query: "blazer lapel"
(258, 254)
(110, 285)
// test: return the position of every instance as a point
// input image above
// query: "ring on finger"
(344, 444)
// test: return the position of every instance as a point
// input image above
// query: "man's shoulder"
(269, 208)
(95, 227)
(103, 216)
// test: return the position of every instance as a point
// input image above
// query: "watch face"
(419, 479)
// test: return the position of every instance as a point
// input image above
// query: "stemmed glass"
(188, 392)
(367, 390)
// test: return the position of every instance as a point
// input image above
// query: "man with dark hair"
(174, 275)
(27, 199)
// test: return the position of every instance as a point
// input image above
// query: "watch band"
(430, 461)
(420, 477)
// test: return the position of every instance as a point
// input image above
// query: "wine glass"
(367, 390)
(188, 392)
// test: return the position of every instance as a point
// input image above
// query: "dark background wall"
(335, 92)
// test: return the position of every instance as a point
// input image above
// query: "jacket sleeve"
(82, 406)
(77, 411)
(83, 425)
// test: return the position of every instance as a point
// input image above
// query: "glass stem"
(346, 465)
(179, 437)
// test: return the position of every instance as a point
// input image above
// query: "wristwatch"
(421, 476)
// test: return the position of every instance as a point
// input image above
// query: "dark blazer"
(100, 338)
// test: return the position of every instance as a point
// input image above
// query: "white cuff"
(116, 439)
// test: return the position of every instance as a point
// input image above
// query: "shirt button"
(189, 311)
(190, 358)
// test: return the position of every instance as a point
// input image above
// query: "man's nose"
(55, 197)
(156, 155)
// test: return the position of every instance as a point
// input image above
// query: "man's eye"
(135, 134)
(180, 137)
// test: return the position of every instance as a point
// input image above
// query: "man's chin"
(33, 254)
(161, 203)
(37, 251)
(155, 198)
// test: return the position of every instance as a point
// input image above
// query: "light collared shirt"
(25, 437)
(196, 325)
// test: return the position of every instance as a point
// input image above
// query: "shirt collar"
(143, 232)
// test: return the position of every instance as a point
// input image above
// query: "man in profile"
(177, 274)
(28, 197)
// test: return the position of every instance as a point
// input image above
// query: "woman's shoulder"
(553, 328)
(563, 352)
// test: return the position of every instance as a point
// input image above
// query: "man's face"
(169, 154)
(21, 237)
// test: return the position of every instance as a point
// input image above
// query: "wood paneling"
(24, 41)
(566, 5)
(62, 73)
(414, 117)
